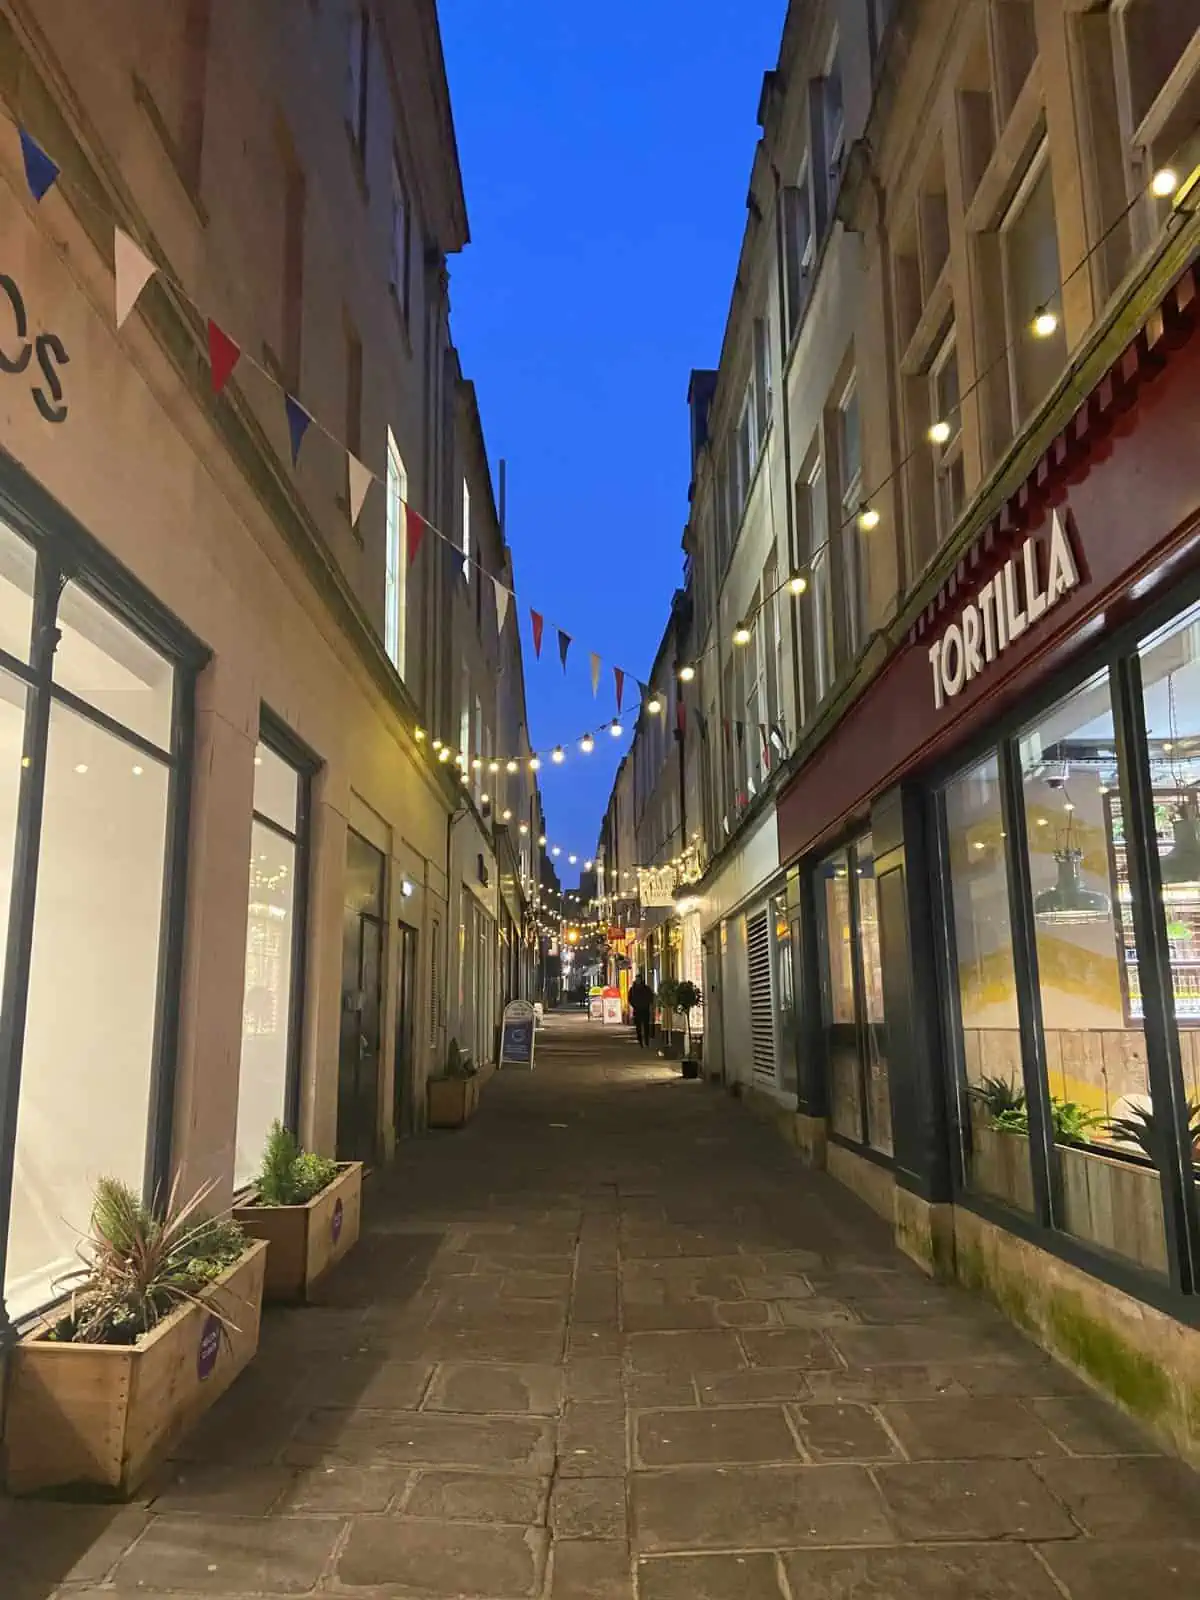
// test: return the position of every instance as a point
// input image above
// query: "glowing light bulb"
(939, 432)
(741, 634)
(542, 840)
(557, 851)
(511, 766)
(418, 735)
(506, 814)
(493, 766)
(1164, 183)
(444, 753)
(654, 705)
(535, 764)
(523, 829)
(477, 764)
(797, 583)
(587, 744)
(437, 744)
(572, 859)
(686, 674)
(868, 518)
(558, 756)
(485, 799)
(1045, 323)
(616, 729)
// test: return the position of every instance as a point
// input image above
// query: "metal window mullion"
(1044, 1166)
(860, 1000)
(1167, 1095)
(14, 995)
(955, 1082)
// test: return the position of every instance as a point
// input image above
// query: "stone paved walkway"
(612, 1340)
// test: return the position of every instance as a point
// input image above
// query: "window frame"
(1179, 1294)
(395, 571)
(950, 454)
(64, 550)
(274, 733)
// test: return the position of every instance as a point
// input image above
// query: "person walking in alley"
(641, 1003)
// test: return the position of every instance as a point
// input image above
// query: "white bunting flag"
(501, 604)
(359, 482)
(595, 676)
(134, 271)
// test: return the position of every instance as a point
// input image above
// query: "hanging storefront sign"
(656, 886)
(1009, 603)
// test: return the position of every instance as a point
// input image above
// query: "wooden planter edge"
(307, 1240)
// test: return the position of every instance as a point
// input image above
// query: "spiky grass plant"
(136, 1266)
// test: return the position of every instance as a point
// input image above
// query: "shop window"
(97, 933)
(783, 978)
(18, 566)
(838, 1010)
(1170, 671)
(873, 1039)
(274, 958)
(983, 987)
(1089, 986)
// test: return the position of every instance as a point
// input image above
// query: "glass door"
(362, 1002)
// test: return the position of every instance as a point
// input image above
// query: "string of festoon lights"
(1043, 322)
(134, 269)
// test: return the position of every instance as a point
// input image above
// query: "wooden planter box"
(100, 1417)
(452, 1101)
(307, 1240)
(1113, 1204)
(1000, 1165)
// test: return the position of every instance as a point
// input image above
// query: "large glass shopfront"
(852, 1017)
(94, 721)
(1071, 860)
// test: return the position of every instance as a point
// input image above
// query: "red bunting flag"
(564, 644)
(538, 622)
(619, 681)
(416, 532)
(223, 355)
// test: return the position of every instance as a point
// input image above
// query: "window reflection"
(985, 987)
(837, 997)
(879, 1103)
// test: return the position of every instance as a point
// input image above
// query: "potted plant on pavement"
(687, 998)
(453, 1095)
(162, 1316)
(309, 1210)
(667, 991)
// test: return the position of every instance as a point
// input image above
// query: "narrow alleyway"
(613, 1340)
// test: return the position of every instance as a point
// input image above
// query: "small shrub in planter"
(453, 1095)
(162, 1316)
(308, 1208)
(667, 991)
(687, 998)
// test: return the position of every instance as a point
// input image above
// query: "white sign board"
(656, 886)
(596, 1008)
(612, 1008)
(1003, 609)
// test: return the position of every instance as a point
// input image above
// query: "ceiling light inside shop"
(1069, 900)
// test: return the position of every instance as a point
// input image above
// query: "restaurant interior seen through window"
(1062, 945)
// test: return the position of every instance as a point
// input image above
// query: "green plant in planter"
(138, 1267)
(458, 1062)
(291, 1176)
(1070, 1122)
(687, 998)
(1150, 1133)
(997, 1096)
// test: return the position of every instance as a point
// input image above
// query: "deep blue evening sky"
(606, 154)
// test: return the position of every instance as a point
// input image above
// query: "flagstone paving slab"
(645, 1354)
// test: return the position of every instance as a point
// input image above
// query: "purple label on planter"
(338, 1217)
(210, 1347)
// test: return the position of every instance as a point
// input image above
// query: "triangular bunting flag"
(501, 604)
(766, 748)
(777, 738)
(359, 481)
(538, 622)
(619, 682)
(223, 355)
(416, 531)
(297, 420)
(40, 171)
(134, 270)
(596, 664)
(564, 644)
